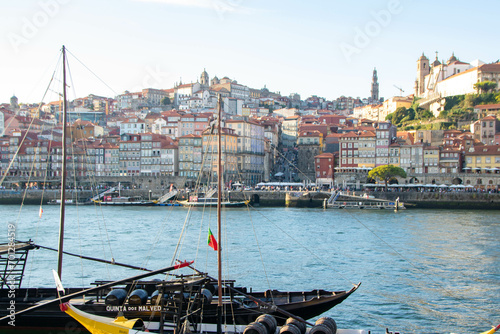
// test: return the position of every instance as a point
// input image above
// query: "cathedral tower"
(204, 81)
(14, 105)
(374, 89)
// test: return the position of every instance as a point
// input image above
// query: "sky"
(324, 48)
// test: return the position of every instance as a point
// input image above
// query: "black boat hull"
(50, 319)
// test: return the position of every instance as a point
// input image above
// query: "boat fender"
(256, 328)
(297, 322)
(138, 297)
(115, 297)
(269, 321)
(290, 329)
(328, 322)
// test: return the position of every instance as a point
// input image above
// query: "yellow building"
(431, 159)
(366, 150)
(229, 145)
(392, 104)
(485, 159)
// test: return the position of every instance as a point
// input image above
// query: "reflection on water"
(422, 271)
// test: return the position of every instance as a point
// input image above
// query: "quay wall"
(412, 199)
(444, 200)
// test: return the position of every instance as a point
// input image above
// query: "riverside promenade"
(276, 198)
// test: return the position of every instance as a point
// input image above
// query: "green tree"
(386, 172)
(426, 114)
(485, 86)
(165, 101)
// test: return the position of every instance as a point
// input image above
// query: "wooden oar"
(97, 260)
(97, 288)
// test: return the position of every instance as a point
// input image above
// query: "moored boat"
(124, 200)
(211, 202)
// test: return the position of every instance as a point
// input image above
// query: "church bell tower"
(374, 90)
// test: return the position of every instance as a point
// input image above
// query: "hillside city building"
(266, 136)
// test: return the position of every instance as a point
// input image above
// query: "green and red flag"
(211, 240)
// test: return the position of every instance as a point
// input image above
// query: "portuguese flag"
(211, 240)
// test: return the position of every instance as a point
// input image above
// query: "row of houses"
(244, 148)
(362, 150)
(174, 143)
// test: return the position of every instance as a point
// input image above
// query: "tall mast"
(63, 170)
(219, 200)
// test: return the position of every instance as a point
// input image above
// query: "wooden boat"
(246, 305)
(124, 200)
(115, 198)
(211, 202)
(37, 308)
(68, 202)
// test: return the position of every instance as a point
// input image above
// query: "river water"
(422, 271)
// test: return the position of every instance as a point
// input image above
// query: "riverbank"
(412, 199)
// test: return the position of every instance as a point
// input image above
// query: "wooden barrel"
(321, 329)
(255, 328)
(154, 298)
(206, 296)
(138, 297)
(328, 322)
(269, 321)
(115, 297)
(300, 324)
(289, 329)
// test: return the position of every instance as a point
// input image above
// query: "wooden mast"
(219, 204)
(63, 170)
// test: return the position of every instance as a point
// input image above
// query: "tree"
(386, 172)
(485, 86)
(165, 101)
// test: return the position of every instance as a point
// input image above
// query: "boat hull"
(211, 204)
(50, 319)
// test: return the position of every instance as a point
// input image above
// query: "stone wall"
(477, 180)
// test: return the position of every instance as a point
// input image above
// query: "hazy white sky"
(327, 48)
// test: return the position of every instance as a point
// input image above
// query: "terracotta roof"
(487, 106)
(191, 135)
(484, 150)
(313, 133)
(367, 134)
(495, 67)
(324, 155)
(458, 62)
(185, 85)
(351, 134)
(334, 135)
